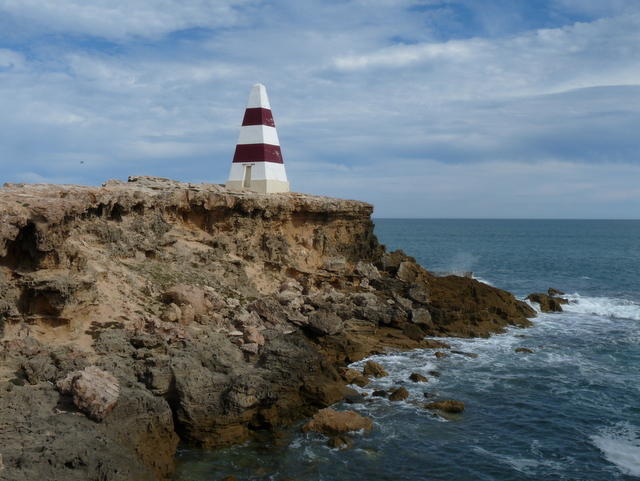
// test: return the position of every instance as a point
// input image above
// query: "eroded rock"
(399, 394)
(448, 406)
(235, 307)
(416, 377)
(94, 391)
(372, 368)
(332, 423)
(547, 303)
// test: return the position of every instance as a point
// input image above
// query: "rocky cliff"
(140, 313)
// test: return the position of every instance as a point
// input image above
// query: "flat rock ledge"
(169, 311)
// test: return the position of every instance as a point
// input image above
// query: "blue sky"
(425, 108)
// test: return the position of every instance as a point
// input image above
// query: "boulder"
(252, 335)
(348, 374)
(351, 376)
(332, 423)
(324, 323)
(421, 317)
(352, 396)
(372, 368)
(94, 391)
(418, 293)
(399, 394)
(368, 271)
(415, 377)
(448, 406)
(547, 303)
(410, 271)
(335, 264)
(413, 332)
(390, 262)
(172, 313)
(39, 369)
(191, 300)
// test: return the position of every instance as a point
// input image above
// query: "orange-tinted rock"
(331, 422)
(547, 303)
(448, 406)
(372, 368)
(416, 377)
(399, 394)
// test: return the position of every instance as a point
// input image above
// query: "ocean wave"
(522, 464)
(620, 445)
(603, 306)
(484, 281)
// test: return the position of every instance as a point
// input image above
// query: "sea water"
(568, 410)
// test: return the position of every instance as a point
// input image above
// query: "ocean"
(568, 410)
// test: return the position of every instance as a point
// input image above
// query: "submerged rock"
(416, 377)
(524, 350)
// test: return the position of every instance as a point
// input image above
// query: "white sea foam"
(620, 445)
(520, 463)
(484, 281)
(603, 306)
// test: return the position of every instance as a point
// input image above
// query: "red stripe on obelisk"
(258, 116)
(258, 153)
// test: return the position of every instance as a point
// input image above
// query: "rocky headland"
(141, 313)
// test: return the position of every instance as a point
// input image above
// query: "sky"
(424, 108)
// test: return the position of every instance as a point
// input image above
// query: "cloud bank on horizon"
(425, 108)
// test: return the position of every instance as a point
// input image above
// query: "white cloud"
(119, 19)
(11, 60)
(370, 99)
(543, 61)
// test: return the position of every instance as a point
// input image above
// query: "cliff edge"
(203, 313)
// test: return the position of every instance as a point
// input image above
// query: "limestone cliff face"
(81, 252)
(218, 312)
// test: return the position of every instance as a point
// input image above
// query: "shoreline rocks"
(216, 312)
(550, 302)
(448, 406)
(331, 422)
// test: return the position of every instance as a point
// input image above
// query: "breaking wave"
(620, 445)
(603, 306)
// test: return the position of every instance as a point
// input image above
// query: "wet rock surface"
(448, 406)
(331, 422)
(212, 313)
(548, 302)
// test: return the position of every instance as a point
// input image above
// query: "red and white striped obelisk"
(257, 163)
